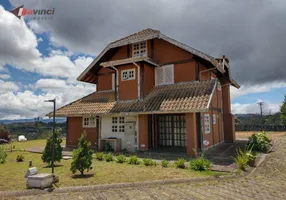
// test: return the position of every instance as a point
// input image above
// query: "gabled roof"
(148, 34)
(184, 97)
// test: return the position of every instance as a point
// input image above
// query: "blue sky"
(50, 56)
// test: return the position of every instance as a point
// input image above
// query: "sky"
(40, 59)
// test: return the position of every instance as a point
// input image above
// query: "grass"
(29, 144)
(102, 172)
(247, 134)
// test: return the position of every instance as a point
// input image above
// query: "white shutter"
(159, 74)
(169, 74)
(164, 75)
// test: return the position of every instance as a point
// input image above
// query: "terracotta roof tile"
(137, 36)
(95, 103)
(181, 97)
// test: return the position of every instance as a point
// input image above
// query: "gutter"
(116, 86)
(210, 100)
(138, 79)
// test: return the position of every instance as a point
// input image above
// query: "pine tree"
(47, 154)
(82, 156)
(283, 112)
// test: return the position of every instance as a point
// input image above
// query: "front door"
(172, 130)
(130, 137)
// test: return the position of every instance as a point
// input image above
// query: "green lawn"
(102, 173)
(29, 144)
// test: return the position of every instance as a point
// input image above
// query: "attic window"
(139, 49)
(128, 74)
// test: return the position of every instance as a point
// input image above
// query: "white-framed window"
(128, 74)
(118, 124)
(89, 122)
(214, 118)
(207, 123)
(164, 75)
(139, 49)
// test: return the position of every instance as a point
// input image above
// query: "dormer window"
(139, 49)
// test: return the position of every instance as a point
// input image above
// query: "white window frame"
(118, 124)
(137, 48)
(129, 73)
(207, 124)
(89, 122)
(164, 68)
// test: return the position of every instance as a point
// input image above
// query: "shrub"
(133, 160)
(260, 142)
(82, 156)
(165, 163)
(180, 163)
(47, 154)
(149, 162)
(242, 157)
(200, 164)
(121, 159)
(108, 157)
(3, 155)
(20, 158)
(99, 156)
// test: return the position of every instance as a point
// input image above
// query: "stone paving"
(268, 181)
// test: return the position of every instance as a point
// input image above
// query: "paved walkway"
(268, 181)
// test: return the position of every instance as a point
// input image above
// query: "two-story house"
(154, 92)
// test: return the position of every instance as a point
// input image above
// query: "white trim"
(127, 61)
(211, 97)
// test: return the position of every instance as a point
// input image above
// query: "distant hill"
(58, 120)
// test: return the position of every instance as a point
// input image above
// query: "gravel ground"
(268, 181)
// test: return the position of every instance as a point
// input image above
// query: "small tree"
(283, 111)
(82, 156)
(47, 154)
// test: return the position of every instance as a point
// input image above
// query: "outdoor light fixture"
(54, 124)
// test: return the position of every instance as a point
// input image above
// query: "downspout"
(116, 86)
(138, 79)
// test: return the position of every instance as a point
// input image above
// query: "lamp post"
(54, 124)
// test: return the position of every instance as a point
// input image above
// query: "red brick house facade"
(154, 92)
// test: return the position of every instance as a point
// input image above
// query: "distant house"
(154, 92)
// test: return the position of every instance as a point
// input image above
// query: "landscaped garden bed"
(254, 152)
(12, 172)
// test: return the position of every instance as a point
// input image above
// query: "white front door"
(130, 138)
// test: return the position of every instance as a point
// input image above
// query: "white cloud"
(28, 104)
(7, 87)
(19, 49)
(238, 108)
(258, 88)
(4, 76)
